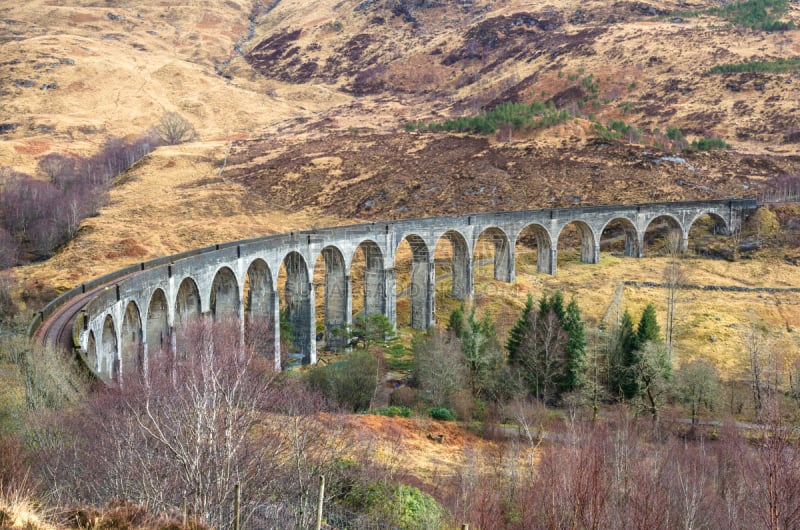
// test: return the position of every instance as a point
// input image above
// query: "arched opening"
(91, 353)
(332, 296)
(259, 309)
(296, 310)
(619, 237)
(132, 351)
(663, 236)
(576, 241)
(157, 339)
(492, 257)
(454, 259)
(533, 251)
(453, 271)
(109, 359)
(224, 294)
(414, 285)
(368, 280)
(709, 236)
(187, 309)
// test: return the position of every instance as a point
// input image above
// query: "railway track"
(56, 329)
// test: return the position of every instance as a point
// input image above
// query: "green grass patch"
(398, 358)
(392, 412)
(707, 144)
(519, 116)
(776, 66)
(615, 130)
(755, 14)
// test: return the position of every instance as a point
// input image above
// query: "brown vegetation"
(298, 110)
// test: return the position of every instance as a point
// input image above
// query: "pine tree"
(556, 304)
(517, 334)
(550, 347)
(648, 330)
(575, 348)
(626, 358)
(473, 341)
(455, 324)
(482, 353)
(541, 354)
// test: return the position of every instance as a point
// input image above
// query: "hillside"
(301, 111)
(330, 112)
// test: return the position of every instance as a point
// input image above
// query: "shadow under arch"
(588, 245)
(709, 234)
(335, 298)
(534, 235)
(132, 347)
(620, 235)
(297, 305)
(458, 264)
(418, 284)
(368, 280)
(260, 309)
(91, 352)
(187, 309)
(109, 360)
(494, 242)
(224, 299)
(662, 235)
(158, 332)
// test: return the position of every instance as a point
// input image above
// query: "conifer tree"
(625, 356)
(648, 330)
(550, 346)
(556, 304)
(575, 348)
(455, 324)
(541, 354)
(478, 340)
(517, 334)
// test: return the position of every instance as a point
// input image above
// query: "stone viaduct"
(140, 310)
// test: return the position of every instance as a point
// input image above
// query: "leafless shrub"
(57, 167)
(174, 129)
(8, 306)
(9, 249)
(784, 188)
(620, 473)
(42, 215)
(13, 471)
(193, 426)
(440, 368)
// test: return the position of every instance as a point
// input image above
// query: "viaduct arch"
(123, 318)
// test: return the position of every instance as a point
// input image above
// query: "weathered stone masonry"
(144, 306)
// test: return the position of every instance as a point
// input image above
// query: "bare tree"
(196, 424)
(440, 367)
(698, 386)
(57, 167)
(773, 473)
(187, 429)
(675, 279)
(653, 373)
(530, 417)
(9, 250)
(758, 353)
(174, 129)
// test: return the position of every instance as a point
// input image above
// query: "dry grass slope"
(299, 112)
